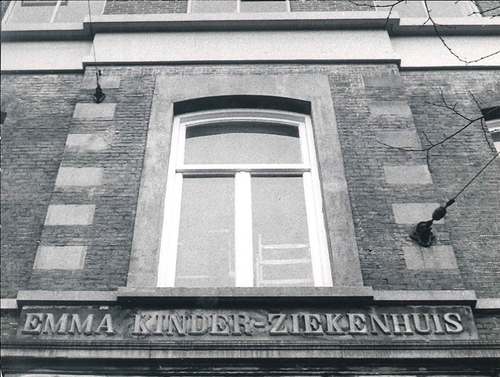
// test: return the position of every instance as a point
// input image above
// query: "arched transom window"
(243, 203)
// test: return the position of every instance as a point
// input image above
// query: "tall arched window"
(243, 203)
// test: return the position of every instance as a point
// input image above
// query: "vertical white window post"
(243, 258)
(56, 9)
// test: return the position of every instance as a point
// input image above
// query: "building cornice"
(357, 20)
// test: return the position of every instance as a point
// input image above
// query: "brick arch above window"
(174, 92)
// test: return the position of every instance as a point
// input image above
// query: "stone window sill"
(262, 296)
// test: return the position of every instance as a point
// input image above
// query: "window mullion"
(56, 9)
(230, 169)
(243, 259)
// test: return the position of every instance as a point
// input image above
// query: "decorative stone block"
(430, 258)
(401, 139)
(106, 82)
(60, 258)
(97, 111)
(79, 177)
(407, 175)
(70, 214)
(85, 143)
(413, 213)
(400, 108)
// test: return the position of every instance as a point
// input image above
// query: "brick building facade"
(88, 199)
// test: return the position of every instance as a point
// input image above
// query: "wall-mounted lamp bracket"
(99, 94)
(422, 233)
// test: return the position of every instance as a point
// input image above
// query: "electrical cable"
(475, 176)
(99, 94)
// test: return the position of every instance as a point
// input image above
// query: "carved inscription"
(426, 322)
(67, 323)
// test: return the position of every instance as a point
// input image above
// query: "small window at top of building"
(51, 11)
(417, 8)
(237, 6)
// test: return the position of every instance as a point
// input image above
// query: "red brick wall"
(39, 113)
(473, 220)
(327, 6)
(39, 110)
(180, 6)
(145, 6)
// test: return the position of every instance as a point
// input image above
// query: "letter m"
(76, 327)
(53, 327)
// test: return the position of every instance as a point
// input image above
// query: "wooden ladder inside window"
(261, 262)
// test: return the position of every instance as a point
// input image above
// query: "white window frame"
(56, 5)
(493, 126)
(474, 11)
(238, 7)
(244, 268)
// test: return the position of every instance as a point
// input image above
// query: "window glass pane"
(242, 143)
(205, 256)
(31, 12)
(76, 10)
(263, 6)
(448, 9)
(494, 128)
(280, 234)
(405, 8)
(213, 6)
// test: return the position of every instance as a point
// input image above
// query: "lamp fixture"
(98, 94)
(422, 232)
